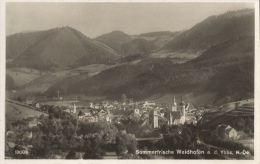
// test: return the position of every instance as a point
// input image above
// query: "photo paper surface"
(130, 80)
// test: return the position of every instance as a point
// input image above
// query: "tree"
(71, 155)
(81, 113)
(227, 99)
(125, 143)
(94, 148)
(41, 117)
(123, 98)
(165, 128)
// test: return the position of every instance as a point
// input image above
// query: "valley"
(69, 96)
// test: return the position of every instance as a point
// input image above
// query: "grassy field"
(14, 112)
(22, 76)
(179, 56)
(60, 103)
(30, 82)
(205, 98)
(229, 111)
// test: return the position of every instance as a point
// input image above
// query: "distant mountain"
(128, 46)
(61, 47)
(115, 39)
(226, 69)
(214, 30)
(156, 34)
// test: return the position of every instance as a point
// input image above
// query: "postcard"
(110, 80)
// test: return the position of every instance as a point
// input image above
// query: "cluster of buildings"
(176, 115)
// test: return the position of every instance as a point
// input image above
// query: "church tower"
(153, 119)
(174, 105)
(182, 110)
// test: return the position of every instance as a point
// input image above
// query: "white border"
(2, 89)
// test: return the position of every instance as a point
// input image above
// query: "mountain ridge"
(63, 47)
(214, 30)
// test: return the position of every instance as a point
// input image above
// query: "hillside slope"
(138, 47)
(63, 47)
(214, 30)
(159, 38)
(231, 74)
(18, 43)
(16, 111)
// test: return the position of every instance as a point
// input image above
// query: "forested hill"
(214, 30)
(18, 43)
(115, 39)
(227, 69)
(59, 47)
(127, 45)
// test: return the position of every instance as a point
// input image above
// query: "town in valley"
(176, 82)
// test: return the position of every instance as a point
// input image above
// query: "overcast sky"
(94, 19)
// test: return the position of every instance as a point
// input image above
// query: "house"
(91, 105)
(67, 110)
(110, 106)
(29, 102)
(145, 122)
(33, 122)
(37, 105)
(91, 119)
(174, 117)
(226, 131)
(97, 106)
(81, 115)
(108, 119)
(9, 146)
(136, 111)
(116, 103)
(148, 103)
(9, 133)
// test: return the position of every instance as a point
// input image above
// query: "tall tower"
(153, 119)
(74, 108)
(170, 117)
(182, 109)
(174, 105)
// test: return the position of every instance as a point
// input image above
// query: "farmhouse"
(37, 105)
(226, 131)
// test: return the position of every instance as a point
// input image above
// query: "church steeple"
(182, 102)
(174, 105)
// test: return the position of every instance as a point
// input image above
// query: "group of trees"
(245, 124)
(61, 132)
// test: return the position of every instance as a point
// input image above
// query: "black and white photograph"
(130, 80)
